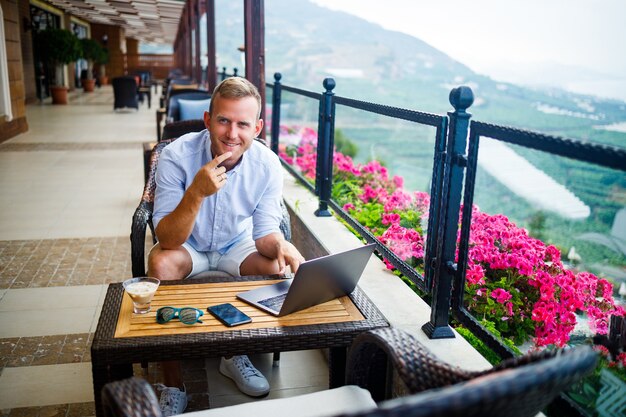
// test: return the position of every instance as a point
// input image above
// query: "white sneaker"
(248, 379)
(173, 401)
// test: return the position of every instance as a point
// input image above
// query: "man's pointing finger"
(219, 159)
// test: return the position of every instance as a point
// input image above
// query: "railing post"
(455, 163)
(325, 143)
(223, 75)
(235, 70)
(276, 97)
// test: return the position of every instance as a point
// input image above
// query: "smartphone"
(229, 314)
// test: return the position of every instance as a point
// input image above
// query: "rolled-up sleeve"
(268, 214)
(170, 187)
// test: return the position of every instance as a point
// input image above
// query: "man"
(217, 207)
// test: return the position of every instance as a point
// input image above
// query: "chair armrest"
(521, 387)
(133, 397)
(141, 219)
(160, 114)
(285, 222)
(419, 370)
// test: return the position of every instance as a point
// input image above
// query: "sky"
(575, 44)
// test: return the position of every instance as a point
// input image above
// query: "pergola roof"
(144, 20)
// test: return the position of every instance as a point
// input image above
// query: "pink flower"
(603, 350)
(475, 274)
(500, 295)
(391, 218)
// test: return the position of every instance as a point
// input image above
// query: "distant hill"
(307, 43)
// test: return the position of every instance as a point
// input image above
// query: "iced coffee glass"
(141, 290)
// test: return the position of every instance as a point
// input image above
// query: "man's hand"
(211, 177)
(287, 254)
(274, 246)
(175, 228)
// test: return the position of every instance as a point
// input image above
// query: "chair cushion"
(349, 398)
(193, 109)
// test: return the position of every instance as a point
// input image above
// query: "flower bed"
(515, 284)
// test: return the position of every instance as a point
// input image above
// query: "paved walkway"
(69, 188)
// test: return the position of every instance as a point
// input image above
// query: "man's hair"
(236, 88)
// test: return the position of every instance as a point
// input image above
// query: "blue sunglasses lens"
(187, 315)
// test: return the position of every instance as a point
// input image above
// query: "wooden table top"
(202, 295)
(125, 337)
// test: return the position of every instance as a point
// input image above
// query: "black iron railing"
(453, 178)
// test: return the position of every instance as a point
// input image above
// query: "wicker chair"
(170, 99)
(125, 93)
(142, 218)
(175, 130)
(521, 387)
(170, 131)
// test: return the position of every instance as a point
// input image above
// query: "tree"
(58, 47)
(92, 52)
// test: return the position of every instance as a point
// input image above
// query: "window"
(5, 96)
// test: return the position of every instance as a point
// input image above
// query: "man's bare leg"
(170, 265)
(257, 264)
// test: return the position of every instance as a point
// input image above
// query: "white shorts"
(214, 261)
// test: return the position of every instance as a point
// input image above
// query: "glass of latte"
(141, 290)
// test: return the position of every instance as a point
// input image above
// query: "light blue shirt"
(247, 206)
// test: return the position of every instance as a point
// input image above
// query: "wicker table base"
(123, 338)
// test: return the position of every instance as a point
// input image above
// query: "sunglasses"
(187, 315)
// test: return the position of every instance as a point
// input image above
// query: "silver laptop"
(317, 281)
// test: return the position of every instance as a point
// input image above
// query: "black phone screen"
(229, 314)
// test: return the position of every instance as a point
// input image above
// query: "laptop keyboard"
(274, 303)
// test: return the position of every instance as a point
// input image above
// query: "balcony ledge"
(317, 236)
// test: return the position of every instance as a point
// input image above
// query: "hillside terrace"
(71, 182)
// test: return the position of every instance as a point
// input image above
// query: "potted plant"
(102, 60)
(92, 52)
(58, 47)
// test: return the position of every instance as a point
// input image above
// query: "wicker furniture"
(173, 107)
(170, 131)
(521, 387)
(125, 93)
(122, 338)
(169, 99)
(177, 129)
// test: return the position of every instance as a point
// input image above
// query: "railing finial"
(461, 98)
(277, 76)
(329, 84)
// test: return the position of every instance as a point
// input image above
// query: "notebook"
(317, 281)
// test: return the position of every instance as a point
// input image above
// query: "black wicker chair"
(521, 387)
(173, 108)
(125, 93)
(175, 130)
(142, 218)
(170, 131)
(164, 111)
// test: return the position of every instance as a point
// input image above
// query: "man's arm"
(175, 228)
(274, 246)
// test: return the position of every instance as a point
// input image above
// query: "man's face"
(232, 125)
